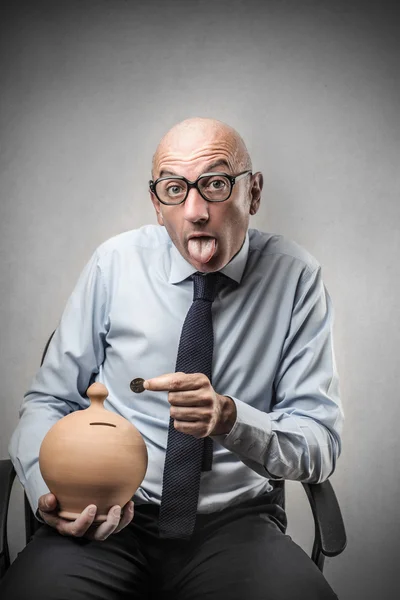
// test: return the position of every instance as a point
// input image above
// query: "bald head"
(207, 233)
(191, 139)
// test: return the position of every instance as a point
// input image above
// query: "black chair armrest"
(7, 475)
(330, 534)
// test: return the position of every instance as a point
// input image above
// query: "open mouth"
(202, 248)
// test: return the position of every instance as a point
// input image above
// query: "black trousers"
(239, 553)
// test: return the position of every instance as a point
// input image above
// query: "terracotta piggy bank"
(93, 456)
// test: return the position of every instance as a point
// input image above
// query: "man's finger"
(102, 531)
(171, 382)
(127, 516)
(47, 508)
(51, 519)
(80, 525)
(47, 503)
(190, 414)
(197, 430)
(189, 398)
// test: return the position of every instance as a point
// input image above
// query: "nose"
(196, 208)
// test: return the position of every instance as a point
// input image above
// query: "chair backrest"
(46, 347)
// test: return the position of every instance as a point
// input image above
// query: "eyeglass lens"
(215, 188)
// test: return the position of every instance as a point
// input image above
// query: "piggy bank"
(92, 456)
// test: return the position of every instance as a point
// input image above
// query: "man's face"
(207, 234)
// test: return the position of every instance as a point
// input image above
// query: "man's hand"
(83, 526)
(195, 406)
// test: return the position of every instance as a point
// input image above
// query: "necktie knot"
(205, 287)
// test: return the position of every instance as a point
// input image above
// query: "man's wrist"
(227, 417)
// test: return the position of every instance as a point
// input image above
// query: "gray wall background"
(87, 90)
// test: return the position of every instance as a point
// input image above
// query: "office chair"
(329, 535)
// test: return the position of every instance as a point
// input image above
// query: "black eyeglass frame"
(195, 184)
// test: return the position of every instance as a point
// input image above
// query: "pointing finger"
(171, 382)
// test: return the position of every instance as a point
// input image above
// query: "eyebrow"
(209, 168)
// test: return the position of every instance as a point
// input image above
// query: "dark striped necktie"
(187, 456)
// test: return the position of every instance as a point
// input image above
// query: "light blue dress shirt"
(273, 355)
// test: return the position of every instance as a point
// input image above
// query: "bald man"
(269, 409)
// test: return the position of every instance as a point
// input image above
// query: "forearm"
(288, 447)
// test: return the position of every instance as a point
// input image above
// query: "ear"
(157, 207)
(255, 192)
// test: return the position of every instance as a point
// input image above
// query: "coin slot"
(99, 423)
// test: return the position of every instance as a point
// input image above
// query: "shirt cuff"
(250, 434)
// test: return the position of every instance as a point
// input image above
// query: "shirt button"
(237, 442)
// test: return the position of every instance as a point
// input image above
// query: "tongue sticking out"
(202, 249)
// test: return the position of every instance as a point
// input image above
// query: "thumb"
(47, 503)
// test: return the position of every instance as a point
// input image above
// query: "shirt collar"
(181, 269)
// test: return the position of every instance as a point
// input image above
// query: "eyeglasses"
(214, 187)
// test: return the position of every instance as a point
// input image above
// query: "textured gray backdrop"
(88, 88)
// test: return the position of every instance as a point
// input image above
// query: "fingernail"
(130, 507)
(92, 511)
(117, 511)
